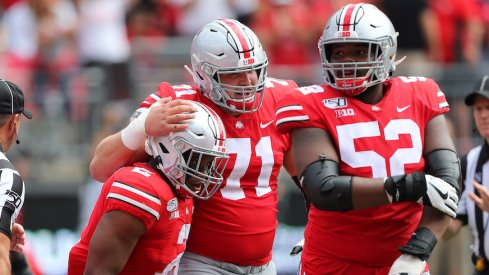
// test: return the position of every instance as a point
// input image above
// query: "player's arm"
(317, 163)
(112, 243)
(127, 146)
(4, 254)
(441, 161)
(289, 163)
(453, 228)
(434, 223)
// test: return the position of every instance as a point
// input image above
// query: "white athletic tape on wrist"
(135, 134)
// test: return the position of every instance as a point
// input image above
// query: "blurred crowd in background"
(84, 65)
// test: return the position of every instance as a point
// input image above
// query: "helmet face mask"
(361, 25)
(225, 47)
(193, 160)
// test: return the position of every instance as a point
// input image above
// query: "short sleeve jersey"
(237, 224)
(140, 191)
(372, 141)
(12, 196)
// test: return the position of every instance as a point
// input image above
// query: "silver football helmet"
(194, 159)
(226, 46)
(359, 23)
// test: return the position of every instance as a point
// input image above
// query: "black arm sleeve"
(325, 188)
(444, 164)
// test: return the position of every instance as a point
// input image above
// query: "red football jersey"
(238, 223)
(141, 192)
(372, 141)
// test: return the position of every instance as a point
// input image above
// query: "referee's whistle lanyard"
(480, 261)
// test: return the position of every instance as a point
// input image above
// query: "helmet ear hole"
(186, 156)
(199, 75)
(163, 148)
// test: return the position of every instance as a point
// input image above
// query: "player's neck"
(230, 113)
(372, 95)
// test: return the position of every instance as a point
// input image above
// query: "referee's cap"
(481, 88)
(12, 99)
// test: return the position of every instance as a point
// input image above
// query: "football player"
(233, 231)
(373, 153)
(142, 218)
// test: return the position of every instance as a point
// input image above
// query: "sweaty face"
(240, 79)
(481, 115)
(350, 53)
(202, 164)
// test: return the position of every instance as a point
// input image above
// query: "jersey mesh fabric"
(238, 223)
(141, 192)
(373, 141)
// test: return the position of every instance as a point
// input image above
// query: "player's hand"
(422, 188)
(298, 247)
(163, 117)
(407, 265)
(166, 116)
(441, 195)
(18, 238)
(482, 200)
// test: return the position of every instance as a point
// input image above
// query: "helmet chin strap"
(189, 71)
(397, 62)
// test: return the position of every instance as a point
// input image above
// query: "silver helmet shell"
(359, 23)
(197, 152)
(226, 46)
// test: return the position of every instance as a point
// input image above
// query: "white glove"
(407, 265)
(135, 134)
(298, 247)
(440, 195)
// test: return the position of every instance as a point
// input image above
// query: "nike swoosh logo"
(265, 125)
(399, 110)
(442, 195)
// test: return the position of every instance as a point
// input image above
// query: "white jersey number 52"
(348, 133)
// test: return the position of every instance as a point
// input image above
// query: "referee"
(475, 173)
(12, 189)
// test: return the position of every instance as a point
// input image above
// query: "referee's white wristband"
(134, 135)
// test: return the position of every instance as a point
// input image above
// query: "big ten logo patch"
(344, 112)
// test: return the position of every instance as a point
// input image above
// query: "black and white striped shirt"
(466, 207)
(12, 194)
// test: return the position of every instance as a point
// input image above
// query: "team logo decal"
(174, 215)
(239, 125)
(335, 103)
(249, 61)
(13, 198)
(172, 205)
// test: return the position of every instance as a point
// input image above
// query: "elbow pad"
(444, 164)
(325, 188)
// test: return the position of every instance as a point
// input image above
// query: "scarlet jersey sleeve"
(166, 90)
(280, 85)
(293, 109)
(133, 191)
(427, 92)
(302, 107)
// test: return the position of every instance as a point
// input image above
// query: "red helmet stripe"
(348, 15)
(241, 36)
(220, 126)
